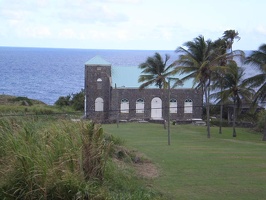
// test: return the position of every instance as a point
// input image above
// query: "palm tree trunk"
(207, 92)
(234, 120)
(221, 111)
(221, 118)
(264, 132)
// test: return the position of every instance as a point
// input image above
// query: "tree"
(198, 61)
(230, 36)
(63, 101)
(218, 78)
(261, 123)
(155, 71)
(235, 90)
(76, 101)
(258, 59)
(224, 60)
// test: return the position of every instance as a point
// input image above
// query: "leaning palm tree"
(230, 36)
(197, 62)
(258, 59)
(155, 71)
(236, 90)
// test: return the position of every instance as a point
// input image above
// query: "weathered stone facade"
(104, 103)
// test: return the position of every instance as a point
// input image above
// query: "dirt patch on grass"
(146, 169)
(142, 166)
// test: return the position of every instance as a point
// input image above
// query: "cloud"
(261, 29)
(78, 11)
(89, 13)
(36, 32)
(67, 34)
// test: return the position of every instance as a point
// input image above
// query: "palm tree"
(218, 77)
(198, 61)
(258, 59)
(230, 36)
(235, 90)
(218, 80)
(155, 71)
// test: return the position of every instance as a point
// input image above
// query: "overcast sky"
(129, 24)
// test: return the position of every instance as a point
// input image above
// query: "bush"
(216, 122)
(25, 101)
(261, 120)
(76, 101)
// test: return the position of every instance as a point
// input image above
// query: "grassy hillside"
(16, 106)
(13, 100)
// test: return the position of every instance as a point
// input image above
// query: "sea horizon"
(45, 74)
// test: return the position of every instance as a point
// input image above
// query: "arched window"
(188, 106)
(173, 106)
(140, 106)
(99, 83)
(156, 108)
(124, 106)
(99, 104)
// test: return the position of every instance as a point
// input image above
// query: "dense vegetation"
(48, 158)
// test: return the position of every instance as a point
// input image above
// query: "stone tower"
(98, 86)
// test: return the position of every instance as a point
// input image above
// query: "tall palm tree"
(230, 36)
(236, 90)
(155, 71)
(198, 61)
(224, 61)
(258, 59)
(218, 78)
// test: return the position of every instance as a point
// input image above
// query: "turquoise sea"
(48, 73)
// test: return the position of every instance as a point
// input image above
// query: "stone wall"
(132, 94)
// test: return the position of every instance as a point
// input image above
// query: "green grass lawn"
(195, 167)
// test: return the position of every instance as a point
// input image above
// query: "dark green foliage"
(261, 120)
(25, 101)
(257, 59)
(76, 101)
(155, 71)
(63, 101)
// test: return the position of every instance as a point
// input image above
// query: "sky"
(129, 24)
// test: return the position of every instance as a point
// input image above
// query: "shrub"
(261, 120)
(25, 101)
(76, 101)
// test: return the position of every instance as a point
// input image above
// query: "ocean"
(46, 74)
